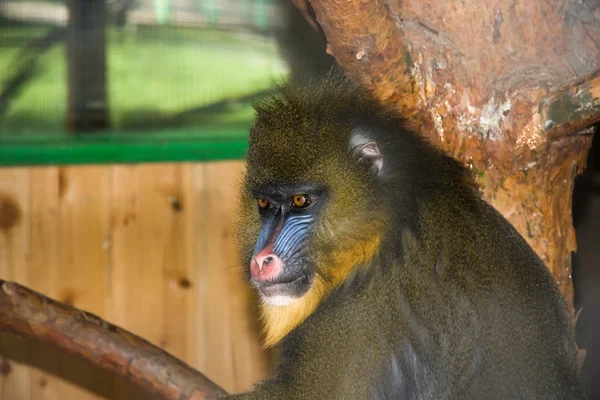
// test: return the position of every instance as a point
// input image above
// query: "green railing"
(210, 144)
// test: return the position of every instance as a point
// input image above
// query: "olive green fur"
(301, 135)
(454, 305)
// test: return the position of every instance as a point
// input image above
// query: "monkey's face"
(311, 208)
(281, 267)
(309, 214)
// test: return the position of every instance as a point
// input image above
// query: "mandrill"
(381, 272)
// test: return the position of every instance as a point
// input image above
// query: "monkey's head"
(312, 206)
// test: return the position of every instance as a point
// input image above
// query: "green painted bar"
(119, 147)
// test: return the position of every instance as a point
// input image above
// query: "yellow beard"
(280, 320)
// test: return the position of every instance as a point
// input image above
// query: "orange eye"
(262, 203)
(302, 200)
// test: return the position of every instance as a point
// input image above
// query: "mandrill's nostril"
(266, 266)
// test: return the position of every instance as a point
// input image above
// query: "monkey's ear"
(366, 150)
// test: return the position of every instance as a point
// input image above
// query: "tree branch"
(30, 314)
(571, 109)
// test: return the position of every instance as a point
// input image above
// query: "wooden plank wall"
(149, 248)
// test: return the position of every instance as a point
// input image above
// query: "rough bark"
(30, 314)
(510, 88)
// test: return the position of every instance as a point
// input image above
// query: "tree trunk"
(510, 88)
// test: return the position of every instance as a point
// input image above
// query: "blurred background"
(145, 65)
(122, 128)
